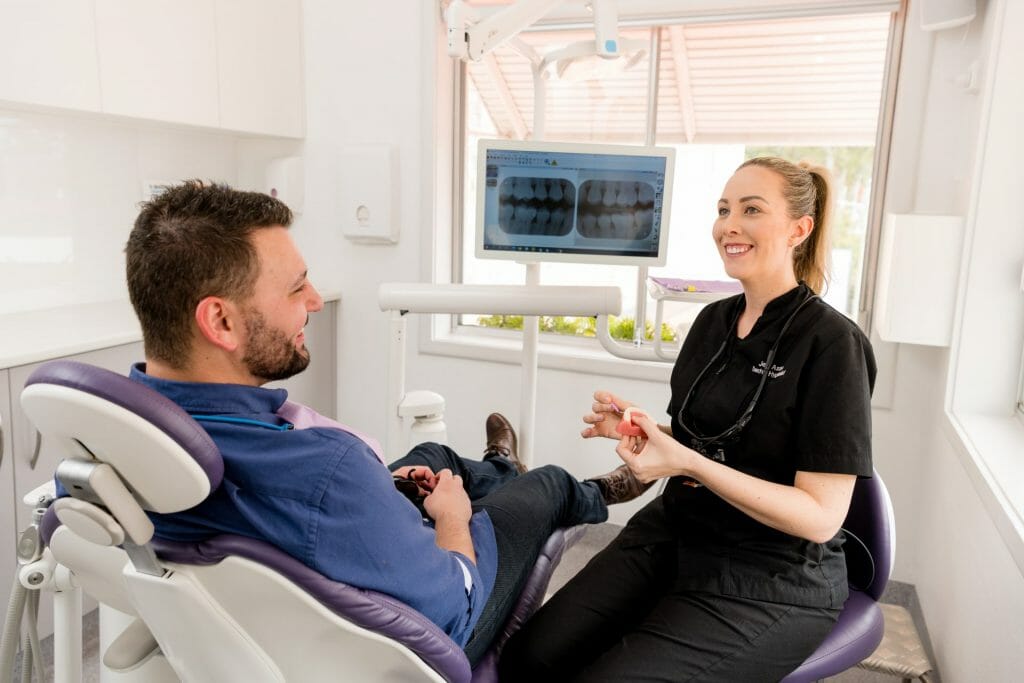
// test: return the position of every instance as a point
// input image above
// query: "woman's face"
(754, 233)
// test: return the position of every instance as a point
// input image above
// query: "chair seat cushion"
(855, 636)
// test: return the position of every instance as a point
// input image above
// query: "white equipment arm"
(472, 41)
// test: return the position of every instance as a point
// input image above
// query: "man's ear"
(802, 228)
(220, 322)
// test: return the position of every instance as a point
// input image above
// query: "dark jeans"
(524, 509)
(620, 619)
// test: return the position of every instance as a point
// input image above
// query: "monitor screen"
(573, 202)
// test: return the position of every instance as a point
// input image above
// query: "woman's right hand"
(605, 416)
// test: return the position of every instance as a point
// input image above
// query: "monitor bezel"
(666, 153)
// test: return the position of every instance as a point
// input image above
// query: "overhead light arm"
(470, 37)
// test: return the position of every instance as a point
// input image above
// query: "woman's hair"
(807, 190)
(191, 242)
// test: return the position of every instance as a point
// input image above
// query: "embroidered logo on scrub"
(776, 371)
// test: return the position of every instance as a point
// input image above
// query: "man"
(223, 296)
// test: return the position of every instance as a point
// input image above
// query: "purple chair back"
(860, 626)
(869, 519)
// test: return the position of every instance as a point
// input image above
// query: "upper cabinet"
(157, 60)
(259, 60)
(48, 53)
(234, 65)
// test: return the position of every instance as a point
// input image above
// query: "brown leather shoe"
(620, 485)
(501, 441)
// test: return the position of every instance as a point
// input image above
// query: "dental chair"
(229, 608)
(870, 551)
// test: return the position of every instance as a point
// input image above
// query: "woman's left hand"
(655, 454)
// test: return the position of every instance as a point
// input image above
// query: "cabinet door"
(48, 53)
(8, 531)
(158, 59)
(259, 60)
(317, 386)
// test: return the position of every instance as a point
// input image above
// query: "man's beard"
(269, 354)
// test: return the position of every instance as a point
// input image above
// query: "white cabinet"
(228, 64)
(48, 53)
(157, 60)
(259, 62)
(8, 531)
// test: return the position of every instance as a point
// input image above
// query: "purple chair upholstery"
(860, 626)
(368, 609)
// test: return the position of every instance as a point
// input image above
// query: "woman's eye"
(752, 209)
(722, 211)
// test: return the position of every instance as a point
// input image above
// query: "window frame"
(445, 336)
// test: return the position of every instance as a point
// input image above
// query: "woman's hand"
(654, 454)
(605, 416)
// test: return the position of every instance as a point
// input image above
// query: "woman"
(735, 573)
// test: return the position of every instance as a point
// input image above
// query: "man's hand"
(424, 477)
(448, 499)
(449, 507)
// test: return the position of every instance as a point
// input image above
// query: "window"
(721, 92)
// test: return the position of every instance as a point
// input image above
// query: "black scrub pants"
(524, 510)
(621, 620)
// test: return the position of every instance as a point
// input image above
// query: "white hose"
(9, 640)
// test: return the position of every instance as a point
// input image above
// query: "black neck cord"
(737, 427)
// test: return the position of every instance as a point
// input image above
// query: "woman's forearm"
(813, 508)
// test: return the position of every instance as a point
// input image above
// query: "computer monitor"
(583, 203)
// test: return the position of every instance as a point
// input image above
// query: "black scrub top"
(814, 415)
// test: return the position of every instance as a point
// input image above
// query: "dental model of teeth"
(626, 426)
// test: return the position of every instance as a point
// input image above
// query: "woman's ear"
(219, 322)
(801, 230)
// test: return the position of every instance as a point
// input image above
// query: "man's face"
(276, 315)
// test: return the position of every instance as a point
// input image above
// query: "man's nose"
(315, 302)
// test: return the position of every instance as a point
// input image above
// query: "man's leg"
(479, 477)
(611, 595)
(524, 513)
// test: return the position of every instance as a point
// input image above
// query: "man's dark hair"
(189, 243)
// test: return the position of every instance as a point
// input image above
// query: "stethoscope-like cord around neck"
(737, 426)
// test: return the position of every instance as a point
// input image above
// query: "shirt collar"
(218, 398)
(780, 307)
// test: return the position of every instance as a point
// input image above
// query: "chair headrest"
(164, 456)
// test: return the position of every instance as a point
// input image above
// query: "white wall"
(69, 189)
(971, 591)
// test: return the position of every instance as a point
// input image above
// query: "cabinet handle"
(35, 451)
